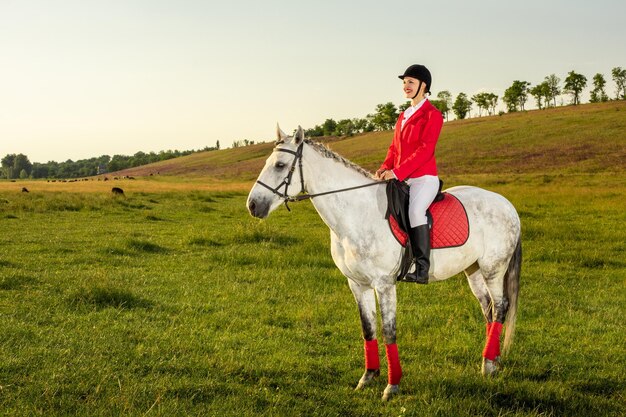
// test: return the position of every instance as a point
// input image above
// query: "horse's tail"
(511, 289)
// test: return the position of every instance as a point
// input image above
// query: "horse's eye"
(279, 165)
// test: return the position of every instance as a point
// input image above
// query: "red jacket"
(412, 151)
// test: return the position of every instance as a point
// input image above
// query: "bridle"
(302, 195)
(287, 180)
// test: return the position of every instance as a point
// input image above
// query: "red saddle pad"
(450, 224)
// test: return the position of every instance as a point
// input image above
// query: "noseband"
(303, 195)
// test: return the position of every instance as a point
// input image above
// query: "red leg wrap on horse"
(393, 362)
(371, 354)
(492, 347)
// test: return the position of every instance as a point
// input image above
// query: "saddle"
(447, 218)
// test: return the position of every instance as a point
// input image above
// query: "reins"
(303, 194)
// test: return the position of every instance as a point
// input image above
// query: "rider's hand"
(388, 175)
(383, 174)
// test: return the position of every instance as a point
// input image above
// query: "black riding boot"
(420, 243)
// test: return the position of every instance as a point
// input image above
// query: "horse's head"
(281, 176)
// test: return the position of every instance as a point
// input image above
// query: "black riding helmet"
(421, 73)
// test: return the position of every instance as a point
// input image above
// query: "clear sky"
(84, 78)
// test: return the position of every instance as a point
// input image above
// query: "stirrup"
(413, 277)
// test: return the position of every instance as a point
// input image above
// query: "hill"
(572, 139)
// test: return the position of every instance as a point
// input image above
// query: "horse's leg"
(387, 302)
(494, 280)
(481, 292)
(479, 289)
(366, 301)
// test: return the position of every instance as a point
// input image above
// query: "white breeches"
(422, 192)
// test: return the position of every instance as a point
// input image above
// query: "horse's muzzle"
(258, 208)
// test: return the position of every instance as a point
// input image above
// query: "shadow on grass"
(154, 218)
(598, 262)
(204, 197)
(280, 322)
(603, 387)
(198, 394)
(253, 236)
(262, 235)
(138, 205)
(133, 247)
(15, 282)
(145, 246)
(104, 297)
(206, 209)
(204, 241)
(591, 398)
(7, 264)
(551, 403)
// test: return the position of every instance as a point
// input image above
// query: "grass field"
(576, 139)
(178, 303)
(174, 301)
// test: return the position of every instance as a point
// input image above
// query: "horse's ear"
(280, 135)
(299, 136)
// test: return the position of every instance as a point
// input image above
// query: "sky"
(85, 78)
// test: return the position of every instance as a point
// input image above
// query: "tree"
(344, 128)
(598, 95)
(516, 95)
(385, 117)
(116, 163)
(574, 84)
(362, 125)
(446, 101)
(7, 165)
(138, 159)
(619, 77)
(462, 105)
(510, 99)
(492, 102)
(314, 132)
(438, 104)
(217, 145)
(481, 101)
(53, 169)
(553, 90)
(329, 127)
(486, 101)
(402, 107)
(21, 163)
(541, 92)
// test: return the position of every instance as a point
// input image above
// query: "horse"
(353, 205)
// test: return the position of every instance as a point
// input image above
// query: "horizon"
(89, 79)
(474, 115)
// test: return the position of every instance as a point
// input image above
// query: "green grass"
(179, 303)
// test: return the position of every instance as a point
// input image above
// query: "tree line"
(15, 166)
(514, 98)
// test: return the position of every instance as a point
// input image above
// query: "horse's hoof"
(367, 377)
(489, 368)
(390, 392)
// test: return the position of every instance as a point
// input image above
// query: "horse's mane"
(327, 153)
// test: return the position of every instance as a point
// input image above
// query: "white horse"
(366, 252)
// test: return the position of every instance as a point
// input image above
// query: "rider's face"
(410, 86)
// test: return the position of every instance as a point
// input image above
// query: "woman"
(411, 158)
